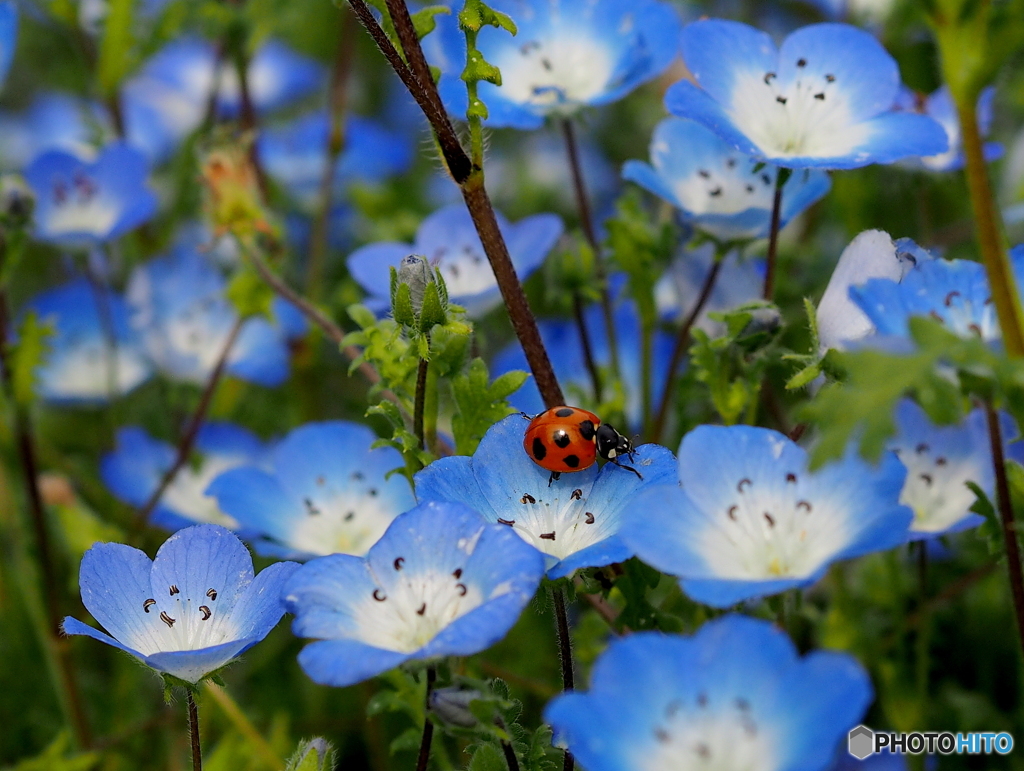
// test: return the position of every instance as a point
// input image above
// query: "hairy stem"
(1005, 505)
(773, 234)
(679, 349)
(188, 438)
(193, 731)
(565, 656)
(588, 350)
(420, 401)
(510, 756)
(428, 726)
(991, 241)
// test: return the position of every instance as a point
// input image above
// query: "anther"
(457, 573)
(662, 735)
(830, 78)
(781, 99)
(715, 193)
(703, 751)
(508, 522)
(205, 611)
(379, 596)
(801, 62)
(766, 179)
(527, 498)
(398, 562)
(589, 518)
(167, 619)
(750, 188)
(742, 704)
(940, 461)
(576, 494)
(174, 590)
(820, 96)
(349, 516)
(421, 609)
(975, 329)
(705, 173)
(548, 536)
(356, 475)
(462, 589)
(949, 298)
(805, 506)
(702, 699)
(211, 593)
(730, 163)
(148, 604)
(739, 487)
(731, 513)
(373, 492)
(927, 478)
(791, 477)
(769, 519)
(922, 447)
(769, 77)
(310, 508)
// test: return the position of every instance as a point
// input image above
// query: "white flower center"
(176, 622)
(465, 269)
(347, 521)
(963, 317)
(557, 73)
(559, 520)
(79, 208)
(727, 187)
(187, 496)
(92, 369)
(936, 488)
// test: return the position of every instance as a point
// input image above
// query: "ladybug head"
(611, 444)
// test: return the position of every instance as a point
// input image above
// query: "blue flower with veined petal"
(179, 308)
(736, 694)
(133, 471)
(8, 36)
(573, 521)
(187, 613)
(751, 520)
(322, 490)
(940, 461)
(721, 191)
(296, 154)
(84, 203)
(441, 582)
(824, 99)
(567, 54)
(449, 241)
(95, 355)
(53, 121)
(939, 105)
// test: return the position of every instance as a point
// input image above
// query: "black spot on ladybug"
(587, 430)
(539, 450)
(561, 438)
(563, 412)
(572, 461)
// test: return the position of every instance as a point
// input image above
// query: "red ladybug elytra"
(567, 439)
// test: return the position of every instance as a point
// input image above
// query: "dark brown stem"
(250, 122)
(564, 656)
(510, 756)
(41, 532)
(193, 732)
(587, 223)
(420, 401)
(773, 234)
(188, 438)
(682, 340)
(337, 97)
(1005, 505)
(588, 351)
(428, 726)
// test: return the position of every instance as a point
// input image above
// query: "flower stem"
(682, 340)
(417, 79)
(989, 229)
(193, 731)
(420, 401)
(428, 726)
(564, 656)
(250, 121)
(1005, 506)
(510, 756)
(335, 144)
(588, 350)
(587, 223)
(188, 438)
(781, 176)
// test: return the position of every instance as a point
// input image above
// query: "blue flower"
(940, 461)
(824, 99)
(323, 490)
(296, 154)
(740, 281)
(871, 255)
(179, 307)
(441, 582)
(94, 353)
(8, 36)
(940, 106)
(133, 471)
(449, 241)
(83, 203)
(187, 613)
(955, 292)
(568, 54)
(720, 190)
(53, 121)
(562, 340)
(751, 520)
(736, 694)
(573, 521)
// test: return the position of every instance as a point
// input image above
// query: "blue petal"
(256, 499)
(260, 354)
(8, 36)
(369, 265)
(321, 593)
(724, 593)
(193, 666)
(115, 582)
(135, 468)
(72, 626)
(715, 51)
(260, 607)
(688, 101)
(346, 662)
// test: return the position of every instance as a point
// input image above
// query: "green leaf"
(312, 755)
(115, 58)
(476, 14)
(249, 293)
(407, 741)
(28, 354)
(803, 377)
(478, 68)
(401, 305)
(487, 758)
(424, 21)
(479, 404)
(433, 311)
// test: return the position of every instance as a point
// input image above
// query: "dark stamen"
(744, 481)
(174, 590)
(769, 519)
(167, 619)
(462, 589)
(576, 494)
(590, 518)
(211, 593)
(421, 610)
(457, 573)
(379, 596)
(148, 604)
(205, 611)
(508, 522)
(548, 536)
(527, 498)
(399, 561)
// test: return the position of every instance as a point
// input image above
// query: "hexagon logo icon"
(861, 742)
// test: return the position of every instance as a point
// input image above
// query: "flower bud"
(452, 705)
(16, 201)
(313, 755)
(415, 271)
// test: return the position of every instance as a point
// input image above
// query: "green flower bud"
(415, 271)
(452, 705)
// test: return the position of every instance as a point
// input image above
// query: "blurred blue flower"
(940, 461)
(562, 340)
(133, 471)
(824, 99)
(322, 490)
(751, 520)
(187, 613)
(95, 355)
(737, 694)
(955, 292)
(568, 54)
(81, 203)
(573, 521)
(8, 36)
(740, 281)
(869, 12)
(179, 307)
(53, 121)
(449, 241)
(939, 105)
(295, 154)
(720, 191)
(441, 582)
(871, 255)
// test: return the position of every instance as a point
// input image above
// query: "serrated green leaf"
(507, 384)
(28, 354)
(803, 377)
(249, 293)
(478, 69)
(487, 758)
(424, 21)
(406, 741)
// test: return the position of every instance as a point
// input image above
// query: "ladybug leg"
(628, 468)
(525, 416)
(555, 476)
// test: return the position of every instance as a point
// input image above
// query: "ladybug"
(567, 439)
